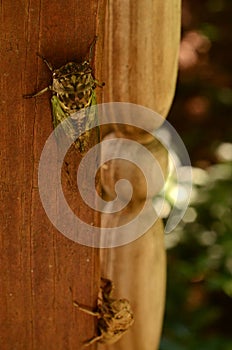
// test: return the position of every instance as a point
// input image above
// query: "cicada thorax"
(116, 318)
(74, 85)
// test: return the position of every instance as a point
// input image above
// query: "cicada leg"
(92, 313)
(98, 83)
(91, 48)
(38, 93)
(46, 62)
(93, 340)
(86, 310)
(48, 87)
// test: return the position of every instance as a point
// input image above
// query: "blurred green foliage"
(199, 281)
(199, 291)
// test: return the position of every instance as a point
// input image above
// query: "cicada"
(115, 316)
(73, 88)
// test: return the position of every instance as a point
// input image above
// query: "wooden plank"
(41, 270)
(141, 58)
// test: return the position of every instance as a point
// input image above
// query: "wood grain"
(41, 271)
(141, 56)
(141, 52)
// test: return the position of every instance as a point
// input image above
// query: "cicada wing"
(60, 116)
(76, 126)
(92, 116)
(84, 121)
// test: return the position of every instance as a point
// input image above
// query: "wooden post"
(141, 55)
(41, 271)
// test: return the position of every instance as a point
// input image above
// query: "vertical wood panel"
(141, 56)
(41, 271)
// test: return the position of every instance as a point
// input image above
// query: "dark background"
(199, 287)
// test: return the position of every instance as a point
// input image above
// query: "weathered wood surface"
(41, 271)
(141, 55)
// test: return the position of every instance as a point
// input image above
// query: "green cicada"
(73, 89)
